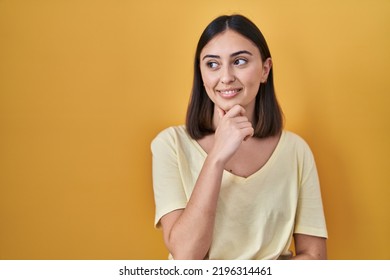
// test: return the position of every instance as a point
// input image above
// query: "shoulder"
(296, 145)
(293, 140)
(171, 132)
(299, 149)
(170, 136)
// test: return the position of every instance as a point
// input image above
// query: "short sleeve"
(310, 218)
(169, 194)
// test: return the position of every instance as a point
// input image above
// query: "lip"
(229, 92)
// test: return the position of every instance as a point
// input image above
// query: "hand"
(233, 128)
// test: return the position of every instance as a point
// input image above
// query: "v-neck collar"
(254, 174)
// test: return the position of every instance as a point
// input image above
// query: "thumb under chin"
(221, 112)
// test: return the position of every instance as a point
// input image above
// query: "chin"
(227, 107)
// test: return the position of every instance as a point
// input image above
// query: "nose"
(227, 75)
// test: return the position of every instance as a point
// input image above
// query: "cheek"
(255, 83)
(207, 76)
(210, 92)
(254, 79)
(209, 83)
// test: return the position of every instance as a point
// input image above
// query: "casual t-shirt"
(257, 215)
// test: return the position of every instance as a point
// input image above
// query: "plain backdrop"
(86, 85)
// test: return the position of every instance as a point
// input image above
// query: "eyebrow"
(232, 55)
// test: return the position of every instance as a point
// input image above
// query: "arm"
(310, 213)
(308, 247)
(188, 232)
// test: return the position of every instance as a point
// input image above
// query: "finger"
(250, 134)
(241, 119)
(235, 111)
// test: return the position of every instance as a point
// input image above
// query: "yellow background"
(86, 85)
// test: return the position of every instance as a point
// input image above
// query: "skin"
(232, 71)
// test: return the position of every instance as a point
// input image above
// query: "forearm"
(309, 247)
(191, 235)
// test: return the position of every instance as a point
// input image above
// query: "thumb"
(221, 112)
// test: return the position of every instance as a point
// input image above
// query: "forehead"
(229, 42)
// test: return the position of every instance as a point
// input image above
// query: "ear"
(267, 65)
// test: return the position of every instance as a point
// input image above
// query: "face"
(232, 70)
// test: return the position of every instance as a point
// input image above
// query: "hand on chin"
(227, 108)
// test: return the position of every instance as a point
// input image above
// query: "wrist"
(215, 162)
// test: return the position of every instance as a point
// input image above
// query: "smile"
(229, 92)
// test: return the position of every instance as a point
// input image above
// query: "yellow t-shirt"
(256, 216)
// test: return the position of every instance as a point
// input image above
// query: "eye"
(212, 64)
(240, 61)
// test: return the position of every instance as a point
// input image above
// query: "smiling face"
(232, 71)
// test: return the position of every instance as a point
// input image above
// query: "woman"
(231, 183)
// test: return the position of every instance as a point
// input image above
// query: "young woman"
(231, 183)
